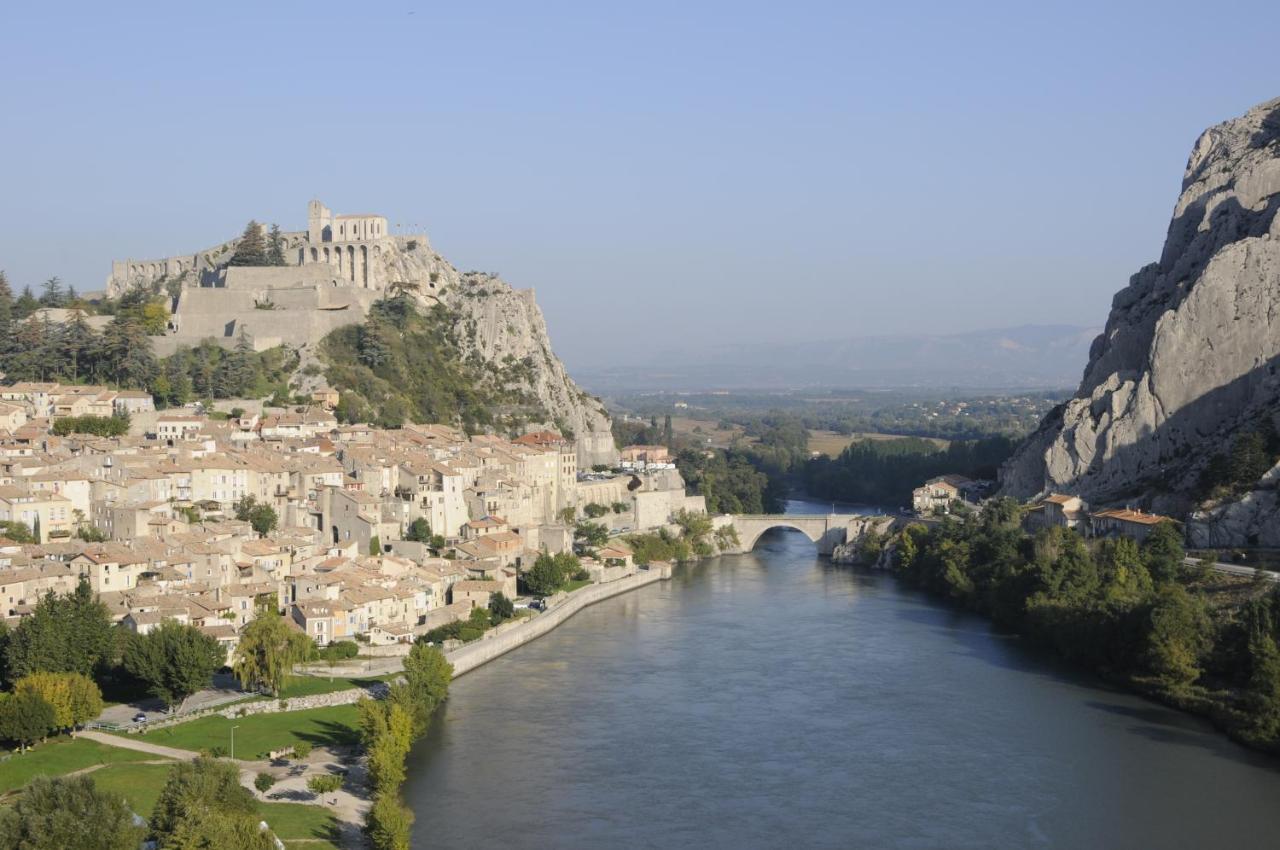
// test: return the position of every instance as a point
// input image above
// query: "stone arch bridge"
(826, 530)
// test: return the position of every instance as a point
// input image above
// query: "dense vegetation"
(404, 365)
(884, 472)
(73, 352)
(1131, 612)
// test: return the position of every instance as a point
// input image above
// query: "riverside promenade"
(512, 634)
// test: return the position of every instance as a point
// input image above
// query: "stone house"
(1124, 522)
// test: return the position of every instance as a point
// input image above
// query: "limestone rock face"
(1190, 350)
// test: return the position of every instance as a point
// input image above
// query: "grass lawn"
(139, 784)
(56, 758)
(257, 734)
(305, 686)
(577, 583)
(295, 821)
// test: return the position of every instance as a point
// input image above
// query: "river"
(777, 700)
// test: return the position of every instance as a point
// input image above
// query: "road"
(1234, 569)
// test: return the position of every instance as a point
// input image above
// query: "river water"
(777, 700)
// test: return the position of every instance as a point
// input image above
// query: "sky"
(704, 173)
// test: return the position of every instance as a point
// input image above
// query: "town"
(353, 532)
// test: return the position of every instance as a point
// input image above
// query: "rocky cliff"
(1187, 360)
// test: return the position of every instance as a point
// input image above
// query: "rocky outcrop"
(495, 323)
(856, 533)
(1189, 353)
(505, 326)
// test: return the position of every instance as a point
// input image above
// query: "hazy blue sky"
(716, 171)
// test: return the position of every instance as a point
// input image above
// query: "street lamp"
(233, 742)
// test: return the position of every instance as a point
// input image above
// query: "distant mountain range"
(1030, 356)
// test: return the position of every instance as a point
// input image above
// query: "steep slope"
(1187, 360)
(502, 327)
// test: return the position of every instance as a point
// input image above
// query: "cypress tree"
(251, 250)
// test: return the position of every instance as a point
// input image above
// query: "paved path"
(140, 746)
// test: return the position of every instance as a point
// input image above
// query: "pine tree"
(80, 344)
(275, 247)
(25, 305)
(251, 250)
(54, 295)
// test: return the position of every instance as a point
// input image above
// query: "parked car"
(140, 717)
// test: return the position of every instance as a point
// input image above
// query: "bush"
(263, 782)
(302, 749)
(323, 784)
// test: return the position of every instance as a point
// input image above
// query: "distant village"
(149, 518)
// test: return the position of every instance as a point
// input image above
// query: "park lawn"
(140, 785)
(305, 686)
(59, 757)
(575, 584)
(257, 734)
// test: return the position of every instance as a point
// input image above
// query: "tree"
(375, 546)
(426, 684)
(545, 577)
(501, 608)
(174, 660)
(64, 634)
(1163, 553)
(263, 781)
(66, 812)
(54, 295)
(592, 534)
(74, 698)
(419, 531)
(251, 249)
(6, 313)
(262, 518)
(594, 510)
(25, 305)
(267, 652)
(275, 247)
(26, 718)
(389, 823)
(386, 730)
(201, 804)
(1179, 635)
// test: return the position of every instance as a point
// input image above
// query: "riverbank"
(502, 639)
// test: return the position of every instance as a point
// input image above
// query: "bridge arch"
(826, 531)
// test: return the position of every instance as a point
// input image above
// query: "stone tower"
(319, 223)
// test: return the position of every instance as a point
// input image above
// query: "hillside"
(475, 353)
(1178, 403)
